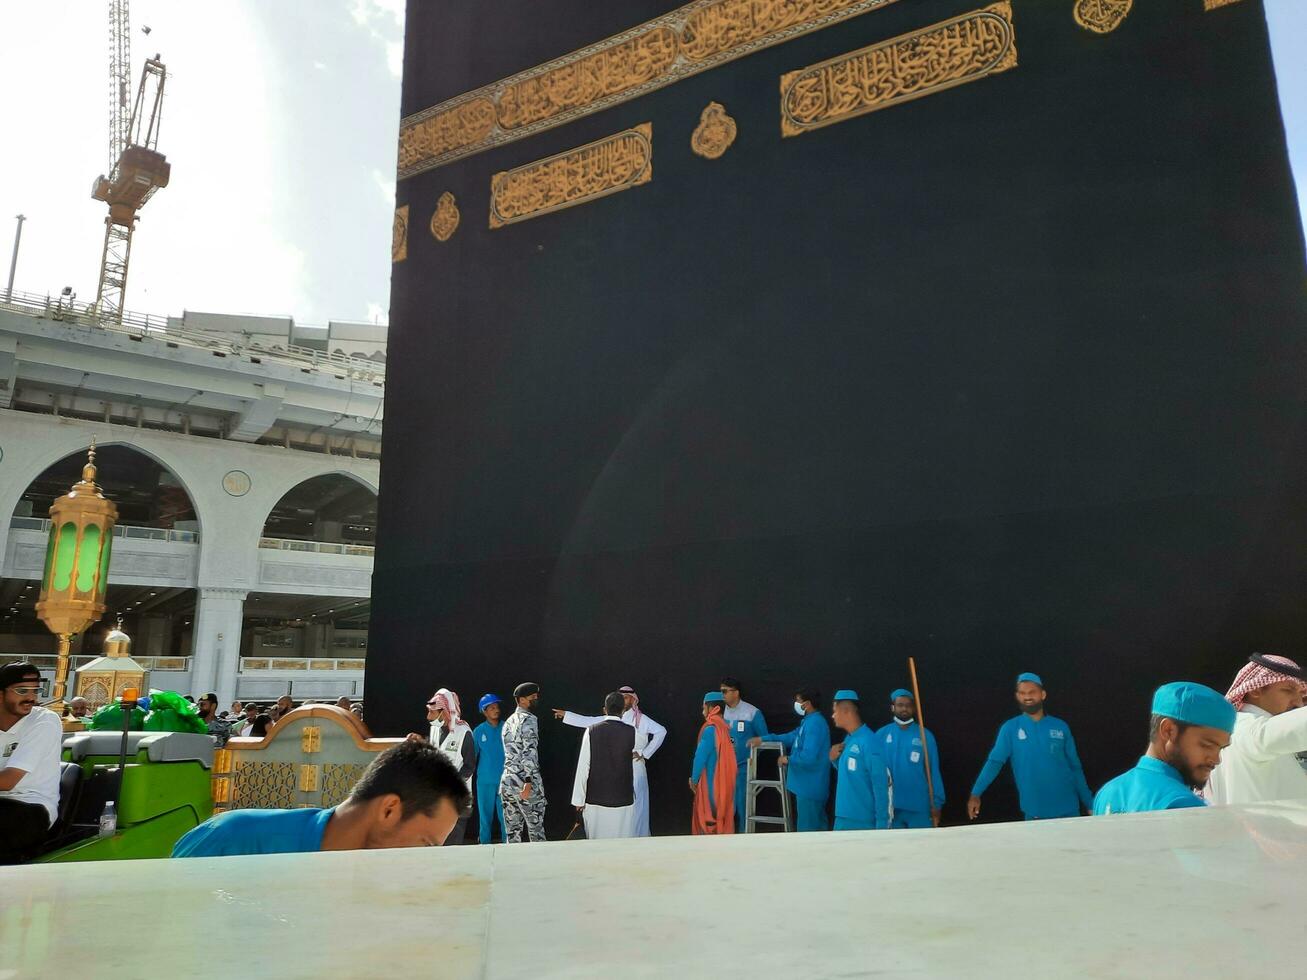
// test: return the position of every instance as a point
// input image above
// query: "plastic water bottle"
(109, 820)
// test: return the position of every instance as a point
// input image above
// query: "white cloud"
(386, 184)
(377, 313)
(384, 21)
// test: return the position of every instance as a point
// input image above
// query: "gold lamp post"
(76, 567)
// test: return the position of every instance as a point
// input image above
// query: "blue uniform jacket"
(488, 740)
(745, 722)
(1050, 780)
(808, 747)
(862, 781)
(1150, 785)
(901, 747)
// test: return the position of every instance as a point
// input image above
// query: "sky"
(280, 121)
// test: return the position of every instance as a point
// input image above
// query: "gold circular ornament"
(715, 132)
(445, 220)
(1101, 16)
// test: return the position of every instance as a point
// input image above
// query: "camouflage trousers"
(520, 814)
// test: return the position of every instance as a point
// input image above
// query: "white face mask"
(905, 724)
(798, 709)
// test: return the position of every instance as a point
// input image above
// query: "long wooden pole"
(925, 743)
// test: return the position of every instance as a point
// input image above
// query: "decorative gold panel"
(930, 60)
(715, 132)
(1214, 4)
(1101, 16)
(595, 170)
(444, 221)
(680, 43)
(308, 779)
(264, 785)
(337, 781)
(399, 235)
(616, 69)
(310, 739)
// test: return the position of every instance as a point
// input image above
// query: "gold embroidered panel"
(444, 220)
(930, 60)
(398, 253)
(595, 170)
(1101, 16)
(715, 132)
(1213, 4)
(684, 42)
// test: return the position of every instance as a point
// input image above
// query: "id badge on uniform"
(853, 764)
(739, 726)
(915, 756)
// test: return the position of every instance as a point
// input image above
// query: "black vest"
(611, 781)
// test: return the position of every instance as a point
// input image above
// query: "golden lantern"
(76, 566)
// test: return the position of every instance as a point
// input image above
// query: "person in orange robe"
(712, 780)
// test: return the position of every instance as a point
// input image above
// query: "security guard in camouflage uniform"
(521, 787)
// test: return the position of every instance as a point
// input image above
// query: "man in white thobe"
(604, 789)
(649, 736)
(1260, 763)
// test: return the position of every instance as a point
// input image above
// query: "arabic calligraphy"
(453, 129)
(715, 132)
(933, 59)
(603, 74)
(614, 163)
(683, 42)
(1214, 4)
(444, 220)
(1101, 16)
(399, 235)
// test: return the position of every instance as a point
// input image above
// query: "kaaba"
(789, 339)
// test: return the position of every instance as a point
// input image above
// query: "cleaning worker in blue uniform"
(1050, 780)
(745, 722)
(1190, 726)
(807, 760)
(488, 740)
(862, 785)
(900, 743)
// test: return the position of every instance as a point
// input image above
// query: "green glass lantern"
(76, 566)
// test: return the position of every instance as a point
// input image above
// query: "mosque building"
(242, 453)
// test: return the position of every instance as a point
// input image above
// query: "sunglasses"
(25, 690)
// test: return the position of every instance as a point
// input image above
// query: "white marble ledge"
(1193, 893)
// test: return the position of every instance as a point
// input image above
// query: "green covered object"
(110, 718)
(170, 712)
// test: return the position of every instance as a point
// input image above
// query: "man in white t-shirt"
(31, 739)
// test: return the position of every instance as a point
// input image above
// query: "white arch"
(76, 444)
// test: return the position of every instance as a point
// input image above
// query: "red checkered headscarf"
(636, 713)
(1261, 671)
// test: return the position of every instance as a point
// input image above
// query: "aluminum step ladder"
(755, 786)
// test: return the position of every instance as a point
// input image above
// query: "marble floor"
(1193, 893)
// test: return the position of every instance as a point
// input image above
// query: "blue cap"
(844, 694)
(487, 701)
(714, 697)
(1194, 704)
(1032, 678)
(899, 693)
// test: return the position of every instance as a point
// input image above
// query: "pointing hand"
(558, 713)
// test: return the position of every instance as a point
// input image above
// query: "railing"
(81, 660)
(317, 547)
(141, 326)
(119, 531)
(254, 665)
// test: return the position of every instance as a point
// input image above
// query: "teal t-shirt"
(256, 832)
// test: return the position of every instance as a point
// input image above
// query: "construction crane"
(137, 168)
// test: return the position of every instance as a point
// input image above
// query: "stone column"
(216, 642)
